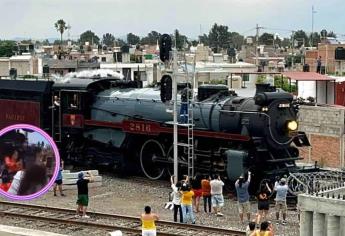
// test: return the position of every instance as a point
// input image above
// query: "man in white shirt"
(176, 199)
(217, 194)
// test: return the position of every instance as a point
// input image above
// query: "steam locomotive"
(108, 121)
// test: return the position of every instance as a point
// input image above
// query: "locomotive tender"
(108, 121)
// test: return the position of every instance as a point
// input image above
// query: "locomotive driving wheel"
(150, 153)
(182, 162)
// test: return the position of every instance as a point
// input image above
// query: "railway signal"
(165, 47)
(166, 88)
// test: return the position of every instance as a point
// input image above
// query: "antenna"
(312, 25)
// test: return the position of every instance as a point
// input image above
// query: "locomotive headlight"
(292, 125)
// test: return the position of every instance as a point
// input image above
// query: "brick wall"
(311, 59)
(325, 129)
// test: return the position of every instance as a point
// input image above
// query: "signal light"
(166, 88)
(165, 47)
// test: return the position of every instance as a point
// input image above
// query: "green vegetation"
(89, 36)
(286, 84)
(60, 26)
(278, 83)
(6, 48)
(108, 39)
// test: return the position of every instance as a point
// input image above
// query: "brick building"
(327, 53)
(324, 127)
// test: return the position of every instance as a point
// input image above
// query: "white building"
(147, 72)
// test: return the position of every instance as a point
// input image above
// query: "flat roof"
(307, 76)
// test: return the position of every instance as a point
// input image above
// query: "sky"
(35, 137)
(35, 18)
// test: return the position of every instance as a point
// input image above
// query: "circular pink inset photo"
(29, 162)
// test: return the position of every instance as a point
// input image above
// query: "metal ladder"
(189, 125)
(190, 138)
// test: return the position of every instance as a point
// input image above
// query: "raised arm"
(249, 176)
(90, 177)
(268, 188)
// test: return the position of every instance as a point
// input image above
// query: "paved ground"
(129, 196)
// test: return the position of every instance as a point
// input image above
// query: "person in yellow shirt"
(187, 203)
(148, 222)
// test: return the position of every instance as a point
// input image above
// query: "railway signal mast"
(168, 93)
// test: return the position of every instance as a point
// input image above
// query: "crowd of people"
(23, 171)
(187, 193)
(186, 196)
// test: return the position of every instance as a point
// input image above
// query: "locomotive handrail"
(269, 123)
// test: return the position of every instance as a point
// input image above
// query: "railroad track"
(101, 223)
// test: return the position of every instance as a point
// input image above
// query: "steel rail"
(166, 228)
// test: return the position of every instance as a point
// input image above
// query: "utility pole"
(174, 90)
(257, 44)
(292, 49)
(312, 25)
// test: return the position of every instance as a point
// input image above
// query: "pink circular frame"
(57, 162)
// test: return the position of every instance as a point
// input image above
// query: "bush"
(286, 84)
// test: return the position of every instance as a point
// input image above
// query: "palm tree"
(60, 26)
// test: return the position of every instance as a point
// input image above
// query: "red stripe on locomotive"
(154, 128)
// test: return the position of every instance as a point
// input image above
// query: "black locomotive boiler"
(107, 121)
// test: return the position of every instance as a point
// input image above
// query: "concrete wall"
(4, 67)
(322, 213)
(325, 129)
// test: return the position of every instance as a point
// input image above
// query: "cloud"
(36, 18)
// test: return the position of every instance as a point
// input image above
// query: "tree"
(237, 40)
(133, 39)
(194, 43)
(331, 34)
(119, 42)
(60, 26)
(204, 39)
(108, 39)
(314, 39)
(286, 42)
(181, 40)
(6, 48)
(151, 38)
(219, 37)
(301, 38)
(89, 36)
(46, 42)
(266, 39)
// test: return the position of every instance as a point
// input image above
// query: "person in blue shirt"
(58, 181)
(281, 188)
(243, 196)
